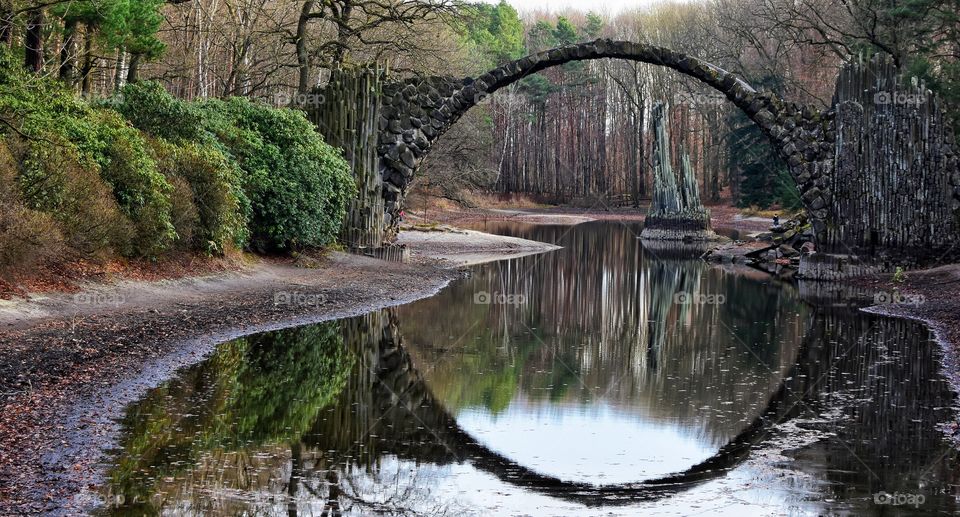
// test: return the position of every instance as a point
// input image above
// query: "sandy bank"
(457, 248)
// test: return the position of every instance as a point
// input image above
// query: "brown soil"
(65, 276)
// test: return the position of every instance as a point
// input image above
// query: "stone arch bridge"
(877, 172)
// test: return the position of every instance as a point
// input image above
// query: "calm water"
(602, 379)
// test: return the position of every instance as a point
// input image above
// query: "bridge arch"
(416, 112)
(411, 422)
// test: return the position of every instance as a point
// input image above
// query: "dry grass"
(495, 200)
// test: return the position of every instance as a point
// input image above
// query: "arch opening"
(415, 113)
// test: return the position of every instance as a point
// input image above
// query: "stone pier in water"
(676, 211)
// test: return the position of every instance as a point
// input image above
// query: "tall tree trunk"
(238, 81)
(133, 72)
(204, 23)
(33, 57)
(641, 142)
(303, 58)
(6, 21)
(68, 53)
(343, 35)
(88, 61)
(118, 75)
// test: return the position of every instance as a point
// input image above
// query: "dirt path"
(71, 362)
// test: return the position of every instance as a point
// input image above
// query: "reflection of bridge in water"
(652, 337)
(411, 424)
(401, 416)
(385, 441)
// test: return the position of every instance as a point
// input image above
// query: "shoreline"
(66, 418)
(69, 370)
(950, 357)
(932, 297)
(722, 217)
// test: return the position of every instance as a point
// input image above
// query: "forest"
(136, 127)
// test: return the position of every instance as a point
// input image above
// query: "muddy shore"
(72, 361)
(931, 296)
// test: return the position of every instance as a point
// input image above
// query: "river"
(605, 378)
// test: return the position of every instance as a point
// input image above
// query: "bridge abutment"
(890, 197)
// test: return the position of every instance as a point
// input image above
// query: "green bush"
(66, 131)
(279, 177)
(52, 180)
(26, 236)
(185, 215)
(141, 190)
(214, 195)
(145, 172)
(298, 186)
(215, 182)
(149, 107)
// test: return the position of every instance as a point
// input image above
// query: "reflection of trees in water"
(285, 422)
(394, 488)
(384, 444)
(601, 321)
(326, 482)
(880, 384)
(261, 390)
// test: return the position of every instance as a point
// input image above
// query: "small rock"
(786, 251)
